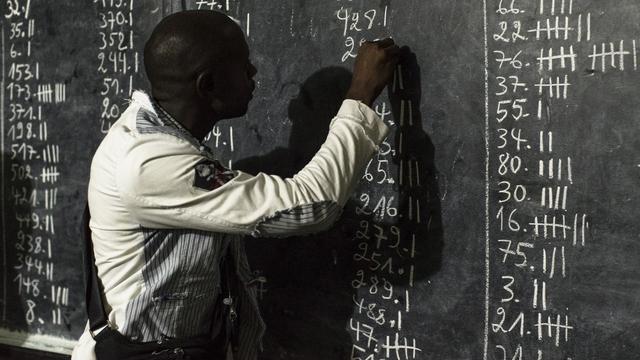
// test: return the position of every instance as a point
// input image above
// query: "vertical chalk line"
(248, 24)
(2, 180)
(486, 190)
(26, 9)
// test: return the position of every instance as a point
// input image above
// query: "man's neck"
(190, 116)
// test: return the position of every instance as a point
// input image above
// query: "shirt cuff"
(357, 111)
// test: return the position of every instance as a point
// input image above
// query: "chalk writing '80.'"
(509, 163)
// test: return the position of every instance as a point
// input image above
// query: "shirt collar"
(167, 120)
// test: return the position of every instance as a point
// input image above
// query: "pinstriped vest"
(182, 273)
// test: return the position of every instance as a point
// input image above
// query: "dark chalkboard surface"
(497, 221)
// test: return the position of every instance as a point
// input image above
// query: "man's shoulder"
(150, 123)
(140, 126)
(139, 141)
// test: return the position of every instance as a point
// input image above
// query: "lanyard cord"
(93, 288)
(227, 270)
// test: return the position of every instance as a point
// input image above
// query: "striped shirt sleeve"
(156, 182)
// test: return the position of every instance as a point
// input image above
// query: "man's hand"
(373, 69)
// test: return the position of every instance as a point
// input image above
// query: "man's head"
(200, 58)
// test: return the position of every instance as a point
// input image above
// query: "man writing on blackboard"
(167, 219)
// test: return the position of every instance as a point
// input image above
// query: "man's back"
(157, 282)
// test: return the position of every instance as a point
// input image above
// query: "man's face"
(235, 83)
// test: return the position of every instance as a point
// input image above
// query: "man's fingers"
(393, 51)
(384, 43)
(374, 67)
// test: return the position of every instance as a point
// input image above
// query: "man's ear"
(205, 84)
(208, 92)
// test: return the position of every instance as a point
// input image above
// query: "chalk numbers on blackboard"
(534, 226)
(384, 251)
(32, 172)
(117, 60)
(355, 25)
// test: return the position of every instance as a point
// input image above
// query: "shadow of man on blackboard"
(416, 176)
(18, 242)
(406, 261)
(309, 299)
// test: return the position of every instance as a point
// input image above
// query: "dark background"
(297, 47)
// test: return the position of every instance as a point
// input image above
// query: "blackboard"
(497, 221)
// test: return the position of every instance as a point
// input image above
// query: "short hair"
(185, 42)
